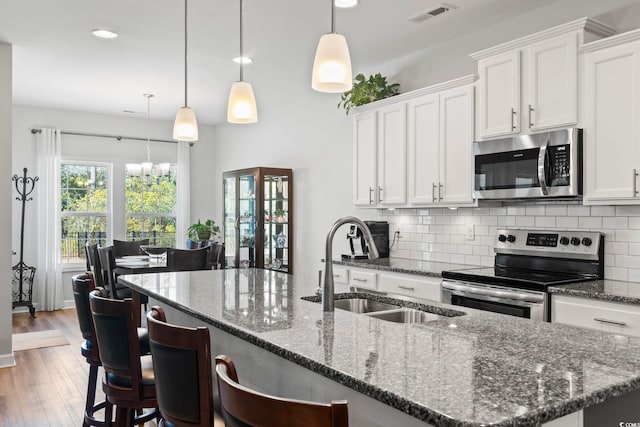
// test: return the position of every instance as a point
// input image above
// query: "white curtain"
(183, 195)
(48, 287)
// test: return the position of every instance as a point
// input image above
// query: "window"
(150, 206)
(84, 199)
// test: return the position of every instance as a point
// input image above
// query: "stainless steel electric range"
(526, 263)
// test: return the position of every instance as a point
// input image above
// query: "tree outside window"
(150, 205)
(84, 196)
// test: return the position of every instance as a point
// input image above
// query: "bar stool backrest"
(182, 370)
(93, 260)
(82, 285)
(128, 247)
(243, 407)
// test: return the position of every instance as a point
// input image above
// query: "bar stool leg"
(91, 407)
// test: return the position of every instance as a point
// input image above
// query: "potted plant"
(280, 215)
(368, 90)
(200, 232)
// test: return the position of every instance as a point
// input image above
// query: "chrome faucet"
(327, 289)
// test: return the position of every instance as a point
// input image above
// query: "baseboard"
(7, 360)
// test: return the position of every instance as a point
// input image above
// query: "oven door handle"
(543, 166)
(462, 288)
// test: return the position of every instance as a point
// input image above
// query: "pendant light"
(332, 64)
(185, 128)
(242, 103)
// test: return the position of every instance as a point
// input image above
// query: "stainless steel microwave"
(543, 165)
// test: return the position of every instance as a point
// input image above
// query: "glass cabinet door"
(247, 220)
(230, 215)
(276, 222)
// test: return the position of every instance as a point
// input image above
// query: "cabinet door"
(499, 79)
(456, 142)
(612, 124)
(553, 83)
(392, 155)
(364, 159)
(423, 138)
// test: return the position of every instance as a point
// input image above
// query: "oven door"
(498, 299)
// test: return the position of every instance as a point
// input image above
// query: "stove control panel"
(567, 244)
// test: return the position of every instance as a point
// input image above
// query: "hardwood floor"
(47, 387)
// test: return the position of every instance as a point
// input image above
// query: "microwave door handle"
(542, 168)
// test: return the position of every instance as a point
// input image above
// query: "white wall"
(101, 150)
(6, 354)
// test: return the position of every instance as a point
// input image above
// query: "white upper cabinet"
(531, 84)
(416, 151)
(612, 137)
(380, 156)
(499, 81)
(365, 129)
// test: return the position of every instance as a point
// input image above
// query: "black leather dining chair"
(188, 259)
(128, 247)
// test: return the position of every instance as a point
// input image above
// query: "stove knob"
(575, 241)
(511, 238)
(564, 240)
(586, 241)
(502, 238)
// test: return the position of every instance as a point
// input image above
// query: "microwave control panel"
(560, 158)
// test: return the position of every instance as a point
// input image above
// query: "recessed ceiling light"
(244, 60)
(104, 34)
(346, 3)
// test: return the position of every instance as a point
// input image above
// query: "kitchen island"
(477, 369)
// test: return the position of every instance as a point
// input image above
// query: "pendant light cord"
(333, 16)
(186, 104)
(241, 44)
(148, 96)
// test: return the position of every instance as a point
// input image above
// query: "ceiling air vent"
(427, 14)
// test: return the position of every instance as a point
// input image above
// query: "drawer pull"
(407, 288)
(612, 322)
(337, 275)
(355, 279)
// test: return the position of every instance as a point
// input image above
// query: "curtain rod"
(118, 137)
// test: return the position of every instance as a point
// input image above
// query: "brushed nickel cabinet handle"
(355, 279)
(379, 194)
(440, 191)
(612, 322)
(407, 288)
(370, 195)
(433, 192)
(513, 113)
(530, 121)
(635, 182)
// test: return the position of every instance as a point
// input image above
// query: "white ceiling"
(59, 64)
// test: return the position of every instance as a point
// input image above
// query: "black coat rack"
(23, 274)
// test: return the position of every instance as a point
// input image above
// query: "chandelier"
(145, 168)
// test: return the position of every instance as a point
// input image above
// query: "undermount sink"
(363, 305)
(406, 316)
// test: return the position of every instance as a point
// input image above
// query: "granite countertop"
(478, 369)
(402, 265)
(610, 290)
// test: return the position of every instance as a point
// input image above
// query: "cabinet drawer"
(424, 288)
(362, 279)
(618, 318)
(340, 275)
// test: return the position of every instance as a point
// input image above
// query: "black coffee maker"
(379, 232)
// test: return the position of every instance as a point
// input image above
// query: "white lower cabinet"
(414, 286)
(606, 316)
(404, 284)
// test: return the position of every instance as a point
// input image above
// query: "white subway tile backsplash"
(439, 234)
(615, 222)
(545, 221)
(567, 222)
(574, 210)
(556, 210)
(525, 221)
(603, 210)
(590, 222)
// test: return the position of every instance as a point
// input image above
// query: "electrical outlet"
(471, 232)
